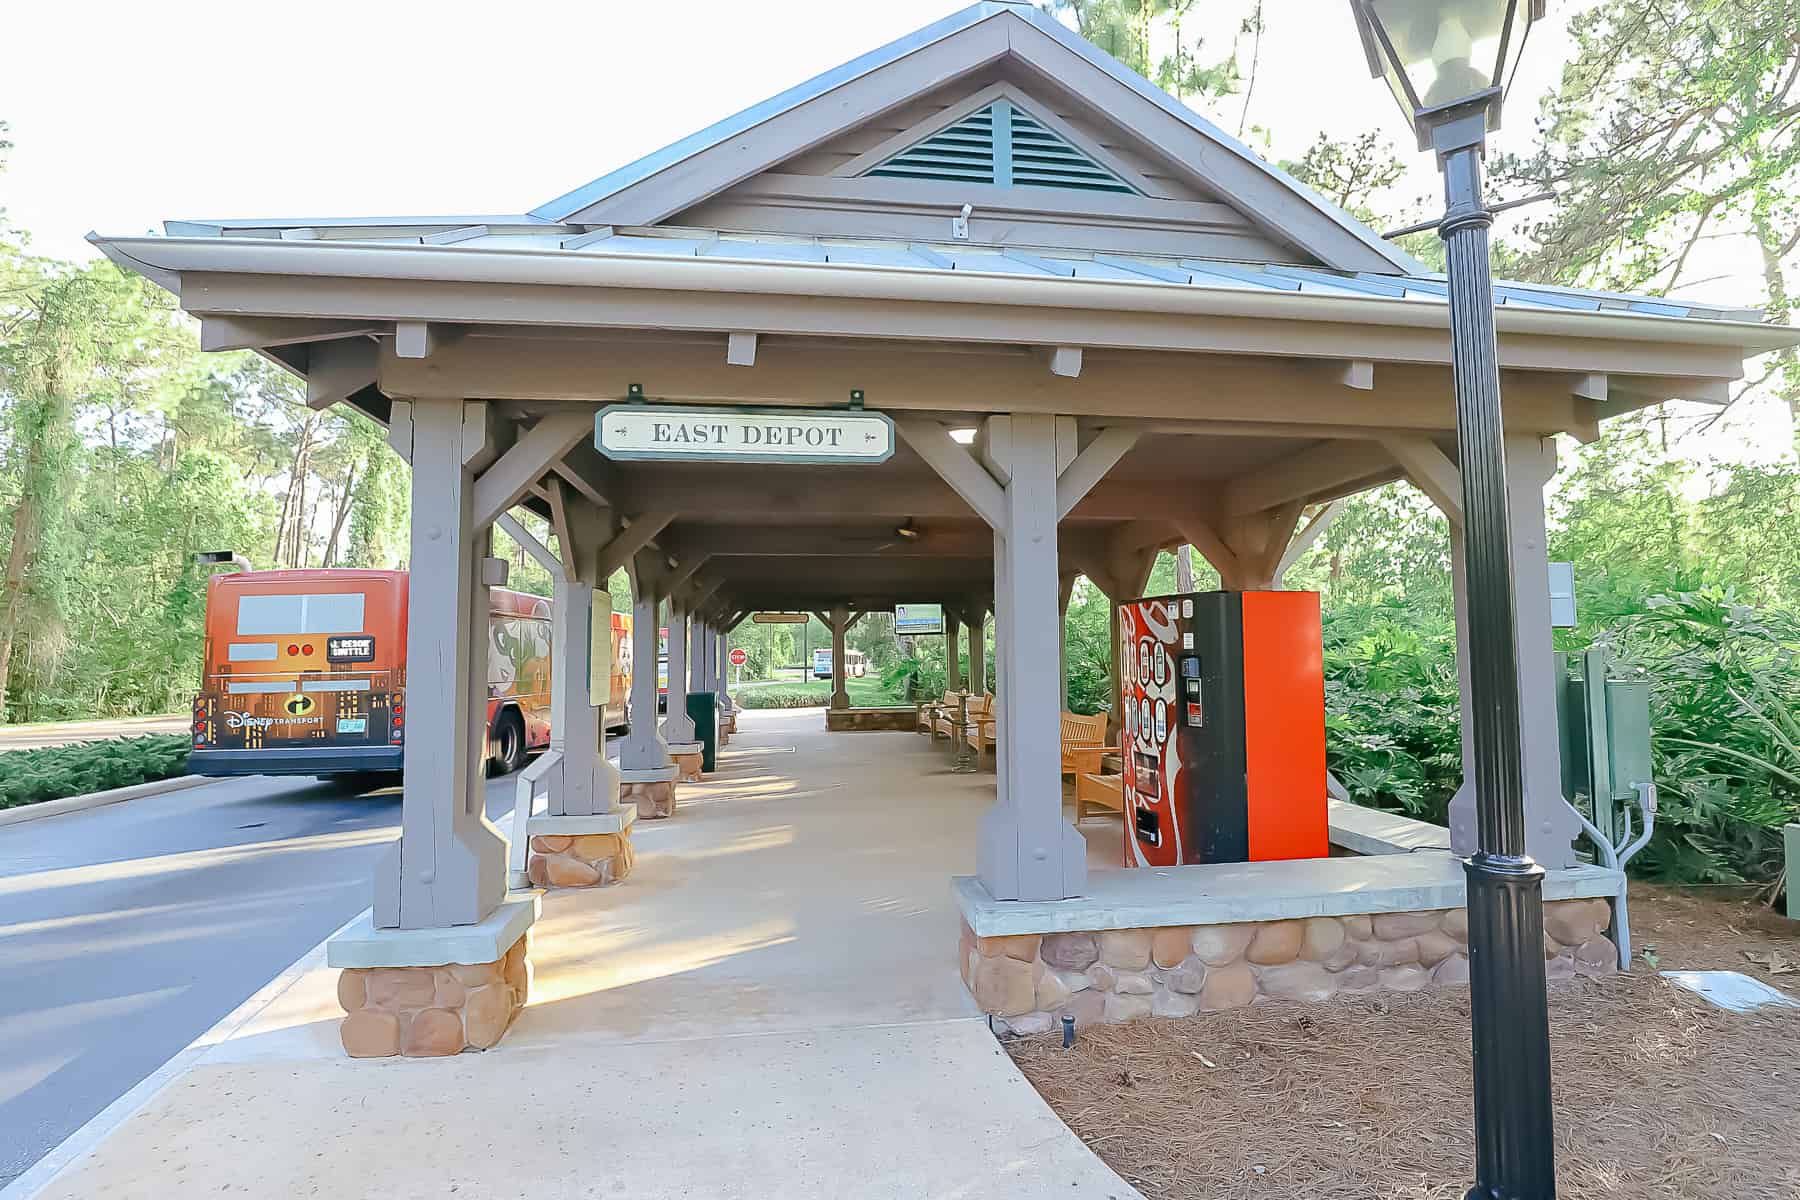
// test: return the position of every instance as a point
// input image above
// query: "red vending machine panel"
(1223, 710)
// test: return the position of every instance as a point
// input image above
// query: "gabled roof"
(1018, 26)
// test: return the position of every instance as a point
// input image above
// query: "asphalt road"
(128, 931)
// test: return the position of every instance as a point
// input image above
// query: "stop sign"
(738, 657)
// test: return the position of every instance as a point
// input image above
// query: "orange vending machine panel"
(1223, 707)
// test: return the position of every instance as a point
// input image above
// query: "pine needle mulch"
(1659, 1096)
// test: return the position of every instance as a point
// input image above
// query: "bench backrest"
(1079, 730)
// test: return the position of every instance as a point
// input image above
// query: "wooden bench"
(1100, 791)
(1083, 742)
(983, 731)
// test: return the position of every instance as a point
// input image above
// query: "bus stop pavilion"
(1098, 325)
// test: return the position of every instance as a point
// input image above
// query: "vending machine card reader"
(1223, 707)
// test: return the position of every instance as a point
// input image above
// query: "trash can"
(703, 707)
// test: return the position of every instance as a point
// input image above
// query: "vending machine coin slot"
(1195, 713)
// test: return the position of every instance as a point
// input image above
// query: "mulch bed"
(1658, 1094)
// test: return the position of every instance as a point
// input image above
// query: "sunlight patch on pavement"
(188, 860)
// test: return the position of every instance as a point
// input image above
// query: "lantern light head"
(1446, 60)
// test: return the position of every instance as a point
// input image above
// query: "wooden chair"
(984, 732)
(1083, 742)
(1098, 791)
(930, 710)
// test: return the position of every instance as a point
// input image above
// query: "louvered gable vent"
(1005, 146)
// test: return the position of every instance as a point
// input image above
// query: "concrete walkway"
(768, 1007)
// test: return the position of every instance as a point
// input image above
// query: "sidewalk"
(769, 1007)
(64, 733)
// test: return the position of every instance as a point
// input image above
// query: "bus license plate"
(353, 725)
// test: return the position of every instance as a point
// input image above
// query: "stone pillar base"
(655, 800)
(1029, 982)
(651, 790)
(430, 1012)
(688, 758)
(580, 860)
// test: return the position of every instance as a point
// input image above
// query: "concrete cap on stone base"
(686, 748)
(1226, 893)
(617, 821)
(486, 941)
(649, 774)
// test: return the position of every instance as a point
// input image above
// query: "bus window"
(283, 616)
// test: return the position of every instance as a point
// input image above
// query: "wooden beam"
(1091, 466)
(685, 570)
(518, 533)
(413, 339)
(626, 544)
(559, 517)
(1589, 387)
(984, 379)
(337, 370)
(956, 466)
(740, 349)
(512, 475)
(1431, 471)
(1303, 541)
(1198, 529)
(1359, 373)
(1177, 319)
(260, 333)
(1303, 475)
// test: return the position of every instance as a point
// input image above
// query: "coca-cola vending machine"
(1223, 716)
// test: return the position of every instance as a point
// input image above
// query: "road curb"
(69, 804)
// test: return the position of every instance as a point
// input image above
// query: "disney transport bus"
(305, 674)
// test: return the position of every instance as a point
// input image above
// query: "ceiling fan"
(906, 533)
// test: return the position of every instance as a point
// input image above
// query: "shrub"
(33, 776)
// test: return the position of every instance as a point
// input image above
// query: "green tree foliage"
(123, 452)
(1677, 124)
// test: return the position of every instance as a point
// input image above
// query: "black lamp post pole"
(1515, 1157)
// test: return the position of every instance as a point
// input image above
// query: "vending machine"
(1223, 711)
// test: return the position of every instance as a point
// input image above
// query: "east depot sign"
(748, 435)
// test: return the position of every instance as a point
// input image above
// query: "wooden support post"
(590, 783)
(952, 652)
(978, 675)
(840, 625)
(1027, 851)
(644, 749)
(449, 866)
(677, 726)
(1550, 828)
(1065, 589)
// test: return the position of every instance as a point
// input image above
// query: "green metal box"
(703, 708)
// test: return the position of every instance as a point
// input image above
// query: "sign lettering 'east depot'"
(753, 435)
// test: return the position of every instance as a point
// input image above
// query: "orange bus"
(305, 674)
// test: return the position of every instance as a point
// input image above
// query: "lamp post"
(1448, 63)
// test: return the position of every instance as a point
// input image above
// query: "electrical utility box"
(1222, 707)
(1605, 724)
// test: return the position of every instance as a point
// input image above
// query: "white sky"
(125, 114)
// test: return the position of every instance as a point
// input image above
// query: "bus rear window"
(282, 616)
